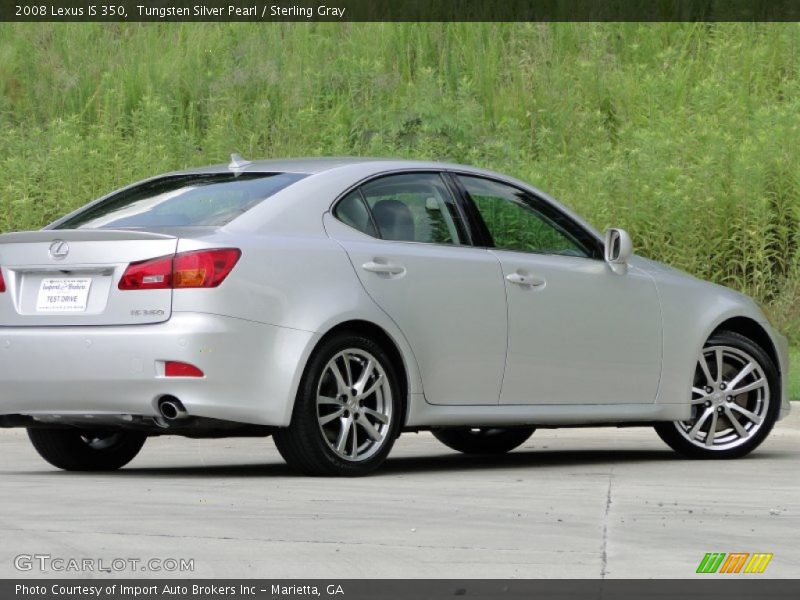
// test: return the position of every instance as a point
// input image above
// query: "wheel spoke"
(755, 385)
(735, 422)
(331, 417)
(741, 375)
(699, 423)
(348, 371)
(706, 371)
(743, 411)
(341, 442)
(329, 400)
(372, 388)
(371, 431)
(364, 377)
(719, 357)
(702, 394)
(355, 437)
(712, 430)
(376, 415)
(341, 384)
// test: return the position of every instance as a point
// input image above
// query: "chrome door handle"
(521, 279)
(387, 268)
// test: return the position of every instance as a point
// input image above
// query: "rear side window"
(411, 207)
(182, 201)
(352, 210)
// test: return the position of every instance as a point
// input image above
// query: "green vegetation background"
(687, 135)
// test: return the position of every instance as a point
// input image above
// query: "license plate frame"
(63, 295)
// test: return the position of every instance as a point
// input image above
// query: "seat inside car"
(394, 220)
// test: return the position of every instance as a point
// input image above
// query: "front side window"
(182, 201)
(514, 222)
(410, 207)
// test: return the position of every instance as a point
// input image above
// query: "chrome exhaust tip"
(172, 409)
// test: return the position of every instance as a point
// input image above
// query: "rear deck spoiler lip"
(82, 235)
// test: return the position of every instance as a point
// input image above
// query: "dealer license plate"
(63, 295)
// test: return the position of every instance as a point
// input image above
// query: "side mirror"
(618, 249)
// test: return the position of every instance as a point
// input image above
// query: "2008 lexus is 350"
(335, 303)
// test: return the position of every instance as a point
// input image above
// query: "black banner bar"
(398, 10)
(745, 587)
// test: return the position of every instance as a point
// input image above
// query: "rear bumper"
(251, 369)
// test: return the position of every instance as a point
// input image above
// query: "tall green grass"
(685, 134)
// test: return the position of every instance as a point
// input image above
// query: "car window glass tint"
(182, 201)
(514, 224)
(414, 207)
(352, 210)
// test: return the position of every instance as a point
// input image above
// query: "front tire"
(483, 440)
(84, 450)
(348, 410)
(736, 398)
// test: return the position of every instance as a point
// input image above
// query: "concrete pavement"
(570, 503)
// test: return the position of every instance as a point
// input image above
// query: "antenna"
(237, 162)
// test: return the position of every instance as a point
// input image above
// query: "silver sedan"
(335, 303)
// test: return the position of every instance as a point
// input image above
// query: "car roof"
(315, 165)
(359, 168)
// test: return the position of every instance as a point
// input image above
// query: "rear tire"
(348, 410)
(483, 440)
(84, 450)
(733, 407)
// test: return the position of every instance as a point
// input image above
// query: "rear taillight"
(2, 282)
(196, 269)
(153, 274)
(204, 268)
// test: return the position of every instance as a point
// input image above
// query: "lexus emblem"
(59, 250)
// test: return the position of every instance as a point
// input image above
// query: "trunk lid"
(69, 277)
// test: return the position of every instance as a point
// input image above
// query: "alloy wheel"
(354, 404)
(730, 399)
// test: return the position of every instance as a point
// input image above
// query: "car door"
(446, 296)
(579, 333)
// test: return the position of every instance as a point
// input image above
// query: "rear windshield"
(182, 201)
